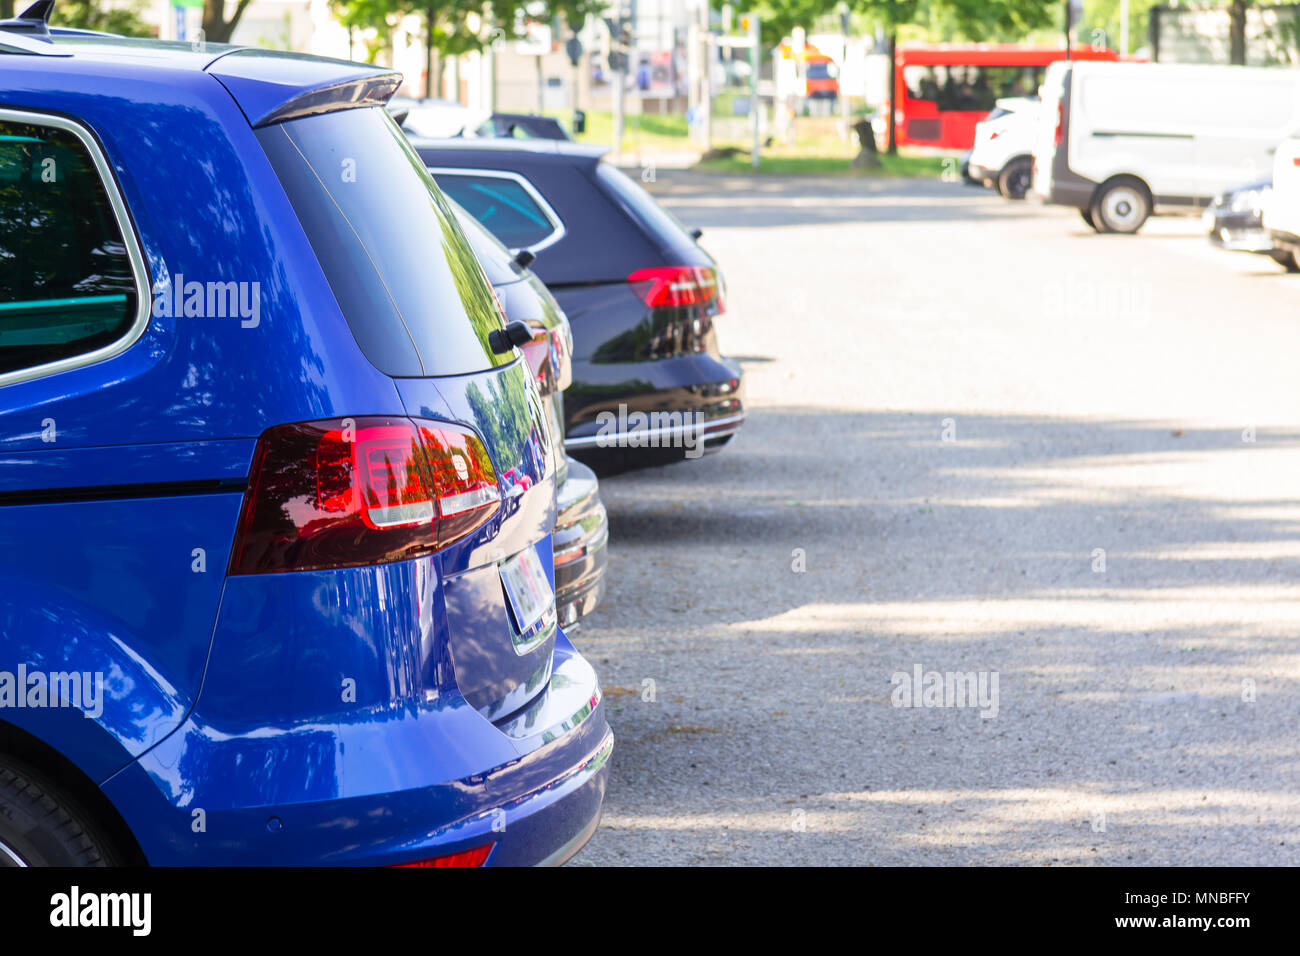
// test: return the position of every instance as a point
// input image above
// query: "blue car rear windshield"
(404, 275)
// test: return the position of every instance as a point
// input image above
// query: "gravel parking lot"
(994, 442)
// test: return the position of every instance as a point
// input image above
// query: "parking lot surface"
(982, 441)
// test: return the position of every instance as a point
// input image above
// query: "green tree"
(380, 15)
(447, 25)
(778, 18)
(447, 33)
(892, 14)
(998, 19)
(89, 15)
(1104, 16)
(969, 19)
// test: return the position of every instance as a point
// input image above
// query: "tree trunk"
(6, 9)
(216, 28)
(430, 18)
(1237, 32)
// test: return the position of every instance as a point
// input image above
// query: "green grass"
(818, 151)
(777, 163)
(640, 131)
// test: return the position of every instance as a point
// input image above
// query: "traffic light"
(620, 41)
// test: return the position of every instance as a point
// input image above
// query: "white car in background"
(1119, 141)
(1003, 155)
(434, 118)
(1281, 213)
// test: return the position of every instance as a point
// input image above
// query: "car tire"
(1287, 259)
(1087, 217)
(1016, 178)
(1121, 205)
(42, 825)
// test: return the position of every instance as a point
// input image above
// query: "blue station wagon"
(276, 492)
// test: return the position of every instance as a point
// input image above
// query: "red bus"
(941, 91)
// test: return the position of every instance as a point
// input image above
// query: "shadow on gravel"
(1147, 707)
(1035, 481)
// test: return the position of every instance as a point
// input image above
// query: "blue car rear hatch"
(422, 311)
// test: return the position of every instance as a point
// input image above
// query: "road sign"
(537, 40)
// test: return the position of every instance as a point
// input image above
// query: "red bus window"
(942, 91)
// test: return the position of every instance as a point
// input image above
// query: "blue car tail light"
(351, 492)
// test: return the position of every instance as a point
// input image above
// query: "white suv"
(1003, 156)
(1281, 213)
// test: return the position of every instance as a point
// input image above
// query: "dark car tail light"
(1058, 137)
(670, 287)
(350, 492)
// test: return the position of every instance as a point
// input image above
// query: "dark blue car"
(276, 501)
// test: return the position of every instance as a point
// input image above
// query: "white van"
(1116, 140)
(1002, 156)
(1281, 212)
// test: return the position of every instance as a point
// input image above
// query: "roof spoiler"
(366, 91)
(272, 87)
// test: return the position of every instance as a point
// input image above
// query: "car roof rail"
(35, 19)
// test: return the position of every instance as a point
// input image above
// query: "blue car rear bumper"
(186, 800)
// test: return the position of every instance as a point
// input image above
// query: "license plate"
(528, 588)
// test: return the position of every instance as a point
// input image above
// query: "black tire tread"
(1004, 177)
(59, 816)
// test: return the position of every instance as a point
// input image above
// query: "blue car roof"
(269, 86)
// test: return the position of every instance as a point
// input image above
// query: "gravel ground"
(995, 443)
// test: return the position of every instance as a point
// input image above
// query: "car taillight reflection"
(549, 359)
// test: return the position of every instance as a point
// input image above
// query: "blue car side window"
(66, 282)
